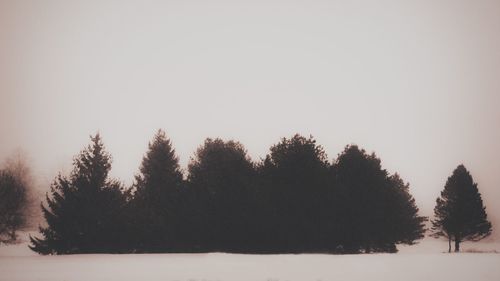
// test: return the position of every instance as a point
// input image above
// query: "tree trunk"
(449, 244)
(457, 245)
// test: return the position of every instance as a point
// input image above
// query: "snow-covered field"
(421, 262)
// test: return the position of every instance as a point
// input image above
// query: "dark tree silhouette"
(403, 222)
(156, 207)
(220, 179)
(376, 210)
(83, 213)
(294, 201)
(459, 212)
(299, 203)
(17, 165)
(13, 204)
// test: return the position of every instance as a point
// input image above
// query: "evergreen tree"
(376, 210)
(221, 179)
(13, 202)
(83, 213)
(459, 212)
(156, 205)
(403, 222)
(299, 201)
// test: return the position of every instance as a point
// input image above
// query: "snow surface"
(420, 262)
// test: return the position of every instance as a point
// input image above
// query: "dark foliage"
(84, 211)
(375, 210)
(459, 212)
(297, 198)
(294, 201)
(13, 202)
(221, 178)
(155, 210)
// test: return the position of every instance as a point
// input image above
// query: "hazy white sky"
(418, 82)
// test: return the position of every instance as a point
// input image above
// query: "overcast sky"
(418, 82)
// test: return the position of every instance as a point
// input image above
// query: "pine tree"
(459, 212)
(156, 205)
(403, 221)
(83, 213)
(299, 204)
(376, 210)
(221, 184)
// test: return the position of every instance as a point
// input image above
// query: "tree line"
(293, 201)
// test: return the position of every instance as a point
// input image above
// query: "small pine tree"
(83, 213)
(459, 212)
(156, 203)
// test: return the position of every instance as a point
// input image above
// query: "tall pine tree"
(459, 212)
(83, 213)
(157, 201)
(298, 197)
(221, 177)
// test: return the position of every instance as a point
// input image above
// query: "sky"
(416, 82)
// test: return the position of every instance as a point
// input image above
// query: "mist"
(415, 82)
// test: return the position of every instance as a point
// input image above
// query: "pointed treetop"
(93, 163)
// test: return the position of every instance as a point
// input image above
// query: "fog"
(415, 81)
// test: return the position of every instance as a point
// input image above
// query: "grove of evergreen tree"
(293, 201)
(459, 213)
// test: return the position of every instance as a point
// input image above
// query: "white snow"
(420, 262)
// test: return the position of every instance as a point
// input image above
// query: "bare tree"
(13, 198)
(17, 196)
